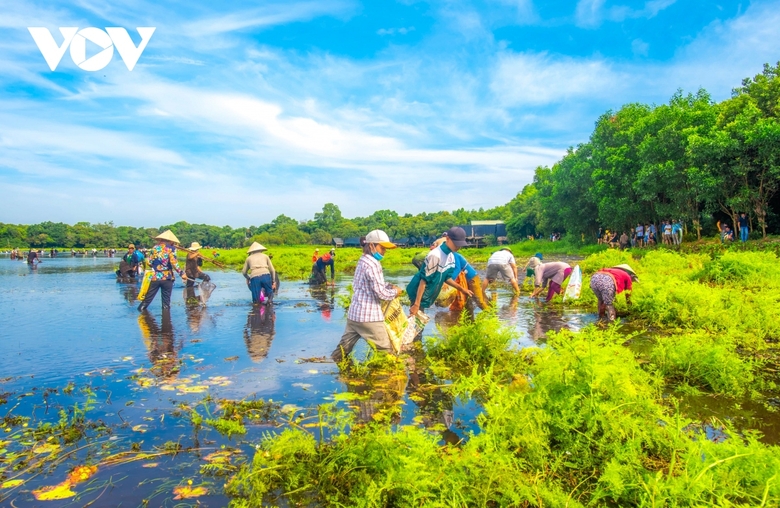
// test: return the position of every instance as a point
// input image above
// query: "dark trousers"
(154, 287)
(261, 282)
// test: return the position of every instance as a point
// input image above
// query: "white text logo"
(112, 37)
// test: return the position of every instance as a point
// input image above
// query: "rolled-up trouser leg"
(475, 285)
(255, 286)
(374, 332)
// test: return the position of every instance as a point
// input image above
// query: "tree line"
(691, 160)
(283, 230)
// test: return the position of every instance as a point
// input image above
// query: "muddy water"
(70, 323)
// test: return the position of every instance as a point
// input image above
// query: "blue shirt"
(461, 265)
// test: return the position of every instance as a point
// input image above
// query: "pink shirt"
(621, 278)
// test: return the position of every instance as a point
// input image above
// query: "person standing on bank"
(163, 262)
(259, 273)
(609, 282)
(365, 317)
(436, 270)
(743, 227)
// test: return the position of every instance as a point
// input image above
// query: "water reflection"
(129, 291)
(259, 331)
(325, 297)
(434, 406)
(197, 315)
(160, 344)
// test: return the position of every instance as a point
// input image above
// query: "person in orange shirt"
(315, 256)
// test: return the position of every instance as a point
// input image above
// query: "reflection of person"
(159, 341)
(196, 314)
(365, 317)
(259, 274)
(325, 298)
(552, 274)
(609, 282)
(436, 270)
(259, 332)
(163, 262)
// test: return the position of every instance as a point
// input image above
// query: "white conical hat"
(255, 247)
(167, 235)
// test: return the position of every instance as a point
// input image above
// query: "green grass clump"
(579, 423)
(705, 361)
(478, 342)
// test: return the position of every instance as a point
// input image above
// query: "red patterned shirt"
(369, 290)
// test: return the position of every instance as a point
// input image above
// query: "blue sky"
(239, 112)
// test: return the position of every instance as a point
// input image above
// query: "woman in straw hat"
(609, 282)
(193, 264)
(163, 262)
(259, 274)
(365, 317)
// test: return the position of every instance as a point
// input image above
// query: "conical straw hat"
(167, 235)
(255, 247)
(628, 270)
(195, 246)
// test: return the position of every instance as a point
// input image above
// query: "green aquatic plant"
(479, 342)
(707, 361)
(578, 422)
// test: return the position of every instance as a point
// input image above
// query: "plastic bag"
(395, 322)
(446, 296)
(147, 280)
(416, 326)
(575, 285)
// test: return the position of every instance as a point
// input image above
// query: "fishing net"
(206, 288)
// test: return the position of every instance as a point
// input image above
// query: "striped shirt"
(369, 290)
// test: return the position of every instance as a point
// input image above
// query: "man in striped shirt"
(365, 318)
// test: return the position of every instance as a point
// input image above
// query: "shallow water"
(70, 321)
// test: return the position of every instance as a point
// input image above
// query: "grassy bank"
(294, 262)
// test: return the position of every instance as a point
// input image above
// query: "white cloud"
(393, 31)
(538, 79)
(591, 13)
(268, 15)
(639, 47)
(588, 13)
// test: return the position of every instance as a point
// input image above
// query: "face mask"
(378, 256)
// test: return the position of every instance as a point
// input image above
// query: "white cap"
(380, 237)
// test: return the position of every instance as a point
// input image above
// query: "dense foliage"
(690, 159)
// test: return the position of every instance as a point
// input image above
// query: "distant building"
(338, 242)
(479, 229)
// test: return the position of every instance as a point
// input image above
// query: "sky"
(240, 111)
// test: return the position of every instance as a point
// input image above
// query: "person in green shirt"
(436, 270)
